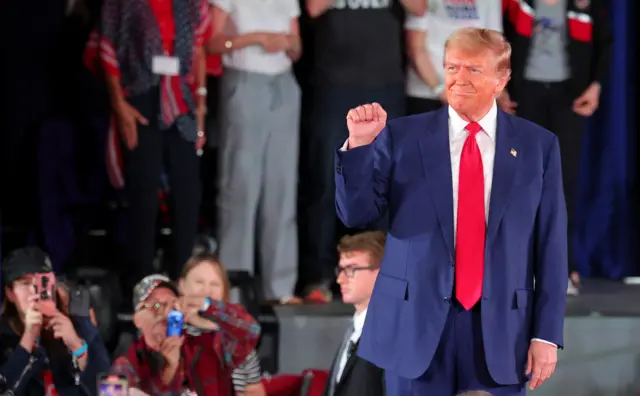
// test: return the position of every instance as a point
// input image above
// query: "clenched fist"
(365, 123)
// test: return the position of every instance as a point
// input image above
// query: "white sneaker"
(572, 290)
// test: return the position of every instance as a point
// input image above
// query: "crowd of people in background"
(224, 118)
(231, 113)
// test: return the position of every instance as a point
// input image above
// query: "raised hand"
(33, 320)
(170, 350)
(33, 317)
(365, 123)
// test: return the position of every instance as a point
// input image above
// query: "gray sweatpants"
(259, 175)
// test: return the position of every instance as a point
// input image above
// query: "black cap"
(28, 260)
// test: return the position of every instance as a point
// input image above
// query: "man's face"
(472, 81)
(356, 279)
(151, 318)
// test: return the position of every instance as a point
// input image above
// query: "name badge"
(165, 65)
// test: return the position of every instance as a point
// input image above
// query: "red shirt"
(49, 386)
(209, 357)
(163, 11)
(214, 65)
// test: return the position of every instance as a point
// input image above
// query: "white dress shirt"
(358, 324)
(486, 140)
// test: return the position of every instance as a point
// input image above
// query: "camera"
(175, 321)
(45, 286)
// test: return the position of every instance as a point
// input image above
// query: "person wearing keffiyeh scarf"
(158, 112)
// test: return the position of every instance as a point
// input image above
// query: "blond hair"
(370, 242)
(475, 41)
(210, 259)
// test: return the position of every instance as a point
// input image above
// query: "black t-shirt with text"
(358, 43)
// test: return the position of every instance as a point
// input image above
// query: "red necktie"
(471, 229)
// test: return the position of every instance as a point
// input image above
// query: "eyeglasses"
(350, 272)
(157, 308)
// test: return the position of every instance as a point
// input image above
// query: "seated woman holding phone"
(48, 343)
(164, 361)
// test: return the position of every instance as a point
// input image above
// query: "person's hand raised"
(33, 318)
(365, 123)
(170, 350)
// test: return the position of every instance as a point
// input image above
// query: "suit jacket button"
(447, 300)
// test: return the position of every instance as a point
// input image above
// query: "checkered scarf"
(130, 27)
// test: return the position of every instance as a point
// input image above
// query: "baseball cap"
(147, 285)
(23, 261)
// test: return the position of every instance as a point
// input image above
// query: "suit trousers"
(458, 364)
(550, 106)
(258, 154)
(156, 151)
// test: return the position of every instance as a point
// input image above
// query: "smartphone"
(113, 385)
(79, 302)
(45, 288)
(175, 321)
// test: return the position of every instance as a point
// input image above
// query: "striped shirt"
(248, 373)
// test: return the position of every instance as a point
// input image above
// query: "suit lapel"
(506, 162)
(347, 369)
(436, 159)
(330, 389)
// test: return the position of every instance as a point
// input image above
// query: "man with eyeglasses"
(194, 362)
(360, 258)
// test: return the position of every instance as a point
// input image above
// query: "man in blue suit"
(476, 215)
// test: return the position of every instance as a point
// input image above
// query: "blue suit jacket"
(406, 172)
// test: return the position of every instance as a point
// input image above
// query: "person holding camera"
(163, 360)
(40, 325)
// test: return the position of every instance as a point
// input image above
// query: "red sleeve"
(203, 31)
(108, 57)
(99, 53)
(239, 330)
(91, 54)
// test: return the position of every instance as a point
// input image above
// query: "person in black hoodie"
(34, 334)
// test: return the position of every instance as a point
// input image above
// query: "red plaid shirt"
(207, 359)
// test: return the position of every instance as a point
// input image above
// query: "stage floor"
(606, 298)
(597, 297)
(601, 335)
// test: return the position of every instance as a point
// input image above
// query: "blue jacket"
(406, 172)
(22, 369)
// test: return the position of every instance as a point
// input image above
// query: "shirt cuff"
(544, 341)
(345, 146)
